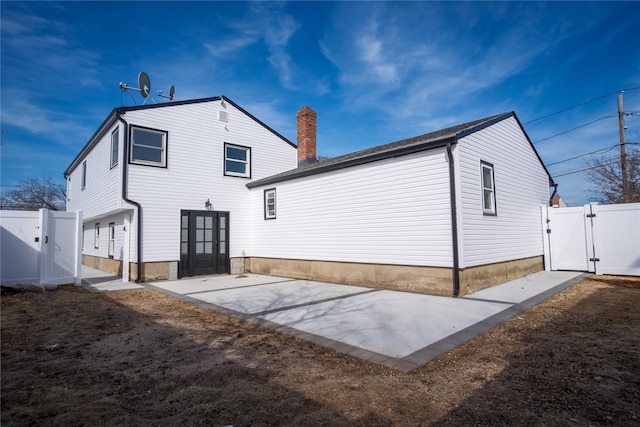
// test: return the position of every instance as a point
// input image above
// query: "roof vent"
(223, 116)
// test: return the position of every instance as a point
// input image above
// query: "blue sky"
(375, 72)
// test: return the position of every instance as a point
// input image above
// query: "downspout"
(126, 199)
(454, 221)
(555, 191)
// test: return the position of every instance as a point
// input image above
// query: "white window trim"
(492, 211)
(247, 174)
(163, 162)
(115, 140)
(269, 213)
(96, 236)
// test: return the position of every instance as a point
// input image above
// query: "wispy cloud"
(18, 111)
(265, 23)
(429, 60)
(50, 49)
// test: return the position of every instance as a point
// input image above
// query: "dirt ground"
(134, 358)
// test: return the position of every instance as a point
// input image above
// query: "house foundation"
(163, 270)
(426, 280)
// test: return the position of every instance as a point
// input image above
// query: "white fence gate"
(42, 247)
(602, 239)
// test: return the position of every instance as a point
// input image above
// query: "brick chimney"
(306, 119)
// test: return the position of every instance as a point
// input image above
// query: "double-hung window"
(237, 161)
(488, 189)
(84, 175)
(114, 147)
(270, 203)
(96, 236)
(148, 147)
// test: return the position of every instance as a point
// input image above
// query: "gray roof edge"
(328, 166)
(402, 147)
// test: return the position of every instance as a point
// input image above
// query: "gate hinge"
(591, 215)
(548, 231)
(594, 259)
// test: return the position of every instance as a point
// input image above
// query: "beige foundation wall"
(475, 278)
(164, 270)
(426, 280)
(431, 280)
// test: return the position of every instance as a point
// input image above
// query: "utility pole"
(623, 151)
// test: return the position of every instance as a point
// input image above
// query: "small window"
(237, 161)
(148, 147)
(114, 147)
(112, 239)
(488, 189)
(270, 203)
(84, 175)
(96, 236)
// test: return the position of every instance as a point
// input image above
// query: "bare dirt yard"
(138, 358)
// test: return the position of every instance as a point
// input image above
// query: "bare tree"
(33, 194)
(605, 175)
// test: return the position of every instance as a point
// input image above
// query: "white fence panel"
(570, 244)
(19, 247)
(60, 262)
(604, 239)
(40, 247)
(616, 234)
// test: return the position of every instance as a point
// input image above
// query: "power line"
(580, 105)
(575, 128)
(599, 151)
(589, 168)
(602, 150)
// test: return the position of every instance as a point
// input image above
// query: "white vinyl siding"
(195, 173)
(102, 194)
(521, 186)
(91, 237)
(393, 211)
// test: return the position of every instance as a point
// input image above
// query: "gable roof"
(427, 141)
(116, 112)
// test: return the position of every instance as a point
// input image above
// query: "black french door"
(204, 243)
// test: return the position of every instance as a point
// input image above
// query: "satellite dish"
(172, 93)
(144, 84)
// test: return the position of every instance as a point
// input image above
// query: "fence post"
(43, 226)
(544, 210)
(78, 248)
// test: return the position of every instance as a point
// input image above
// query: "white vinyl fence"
(43, 247)
(602, 239)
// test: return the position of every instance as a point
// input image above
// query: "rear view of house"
(203, 187)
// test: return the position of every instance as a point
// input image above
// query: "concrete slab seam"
(315, 302)
(238, 287)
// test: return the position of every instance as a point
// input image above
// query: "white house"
(201, 187)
